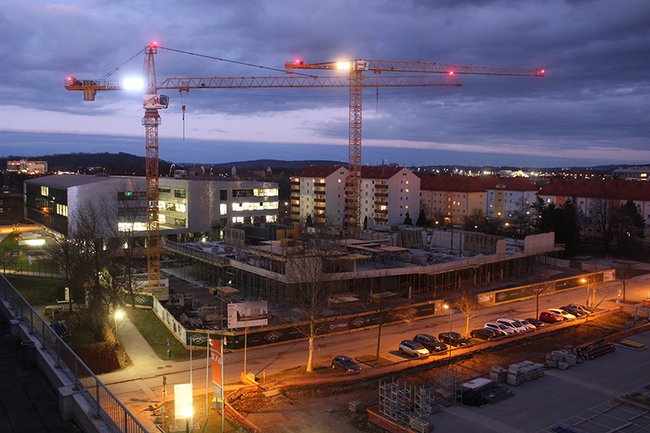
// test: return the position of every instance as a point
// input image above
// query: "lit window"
(223, 209)
(45, 191)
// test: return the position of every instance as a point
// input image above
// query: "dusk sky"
(592, 108)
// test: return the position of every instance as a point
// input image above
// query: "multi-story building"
(452, 197)
(387, 194)
(119, 203)
(11, 206)
(632, 173)
(319, 192)
(27, 167)
(508, 196)
(589, 195)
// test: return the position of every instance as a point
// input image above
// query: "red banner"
(216, 360)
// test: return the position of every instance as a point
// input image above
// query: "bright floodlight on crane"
(133, 83)
(344, 65)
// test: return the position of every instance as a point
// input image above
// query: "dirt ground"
(324, 409)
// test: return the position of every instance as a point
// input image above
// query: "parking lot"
(580, 398)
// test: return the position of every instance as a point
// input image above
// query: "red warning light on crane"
(299, 62)
(451, 72)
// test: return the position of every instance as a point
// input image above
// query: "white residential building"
(387, 194)
(508, 196)
(319, 192)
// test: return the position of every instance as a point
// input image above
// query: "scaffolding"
(407, 405)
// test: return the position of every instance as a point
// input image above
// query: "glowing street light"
(117, 315)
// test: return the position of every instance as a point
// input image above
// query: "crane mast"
(151, 121)
(356, 68)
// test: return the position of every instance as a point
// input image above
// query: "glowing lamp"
(451, 72)
(542, 71)
(133, 83)
(343, 66)
(119, 314)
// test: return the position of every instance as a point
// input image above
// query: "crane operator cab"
(155, 101)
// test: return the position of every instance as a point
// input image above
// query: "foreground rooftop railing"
(103, 403)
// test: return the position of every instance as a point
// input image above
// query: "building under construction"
(413, 264)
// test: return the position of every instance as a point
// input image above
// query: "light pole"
(586, 281)
(451, 318)
(117, 315)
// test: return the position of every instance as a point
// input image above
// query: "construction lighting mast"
(355, 68)
(153, 101)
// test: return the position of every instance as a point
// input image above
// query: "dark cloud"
(596, 90)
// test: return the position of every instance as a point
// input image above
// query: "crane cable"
(253, 65)
(117, 68)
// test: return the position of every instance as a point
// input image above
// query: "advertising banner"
(247, 314)
(216, 364)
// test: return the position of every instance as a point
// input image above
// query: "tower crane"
(355, 68)
(153, 101)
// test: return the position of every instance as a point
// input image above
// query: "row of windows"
(249, 206)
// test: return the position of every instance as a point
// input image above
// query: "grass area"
(36, 290)
(297, 371)
(372, 360)
(156, 334)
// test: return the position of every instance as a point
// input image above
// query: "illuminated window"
(180, 207)
(162, 218)
(271, 218)
(45, 191)
(250, 206)
(223, 209)
(236, 220)
(265, 192)
(62, 209)
(128, 227)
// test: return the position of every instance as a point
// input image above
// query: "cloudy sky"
(593, 106)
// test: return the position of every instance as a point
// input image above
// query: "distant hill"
(114, 163)
(264, 163)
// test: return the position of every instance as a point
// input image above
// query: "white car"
(413, 349)
(561, 312)
(515, 324)
(525, 325)
(504, 331)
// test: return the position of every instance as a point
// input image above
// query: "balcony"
(381, 186)
(319, 200)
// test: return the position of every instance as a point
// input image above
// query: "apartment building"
(319, 192)
(454, 197)
(508, 196)
(119, 203)
(387, 194)
(589, 194)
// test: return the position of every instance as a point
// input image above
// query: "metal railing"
(105, 404)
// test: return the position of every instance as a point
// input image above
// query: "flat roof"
(67, 181)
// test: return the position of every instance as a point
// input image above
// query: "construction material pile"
(524, 371)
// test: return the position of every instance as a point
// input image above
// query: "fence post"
(31, 322)
(97, 397)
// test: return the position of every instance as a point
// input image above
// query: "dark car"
(550, 317)
(430, 342)
(454, 339)
(536, 322)
(346, 364)
(484, 334)
(574, 310)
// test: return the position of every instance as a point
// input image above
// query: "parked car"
(561, 312)
(505, 331)
(346, 364)
(550, 317)
(454, 339)
(587, 310)
(484, 333)
(413, 349)
(538, 323)
(430, 342)
(527, 324)
(574, 310)
(514, 324)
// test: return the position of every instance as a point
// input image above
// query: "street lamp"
(187, 414)
(586, 281)
(118, 315)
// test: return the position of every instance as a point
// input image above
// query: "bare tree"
(7, 257)
(307, 266)
(466, 304)
(625, 276)
(538, 290)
